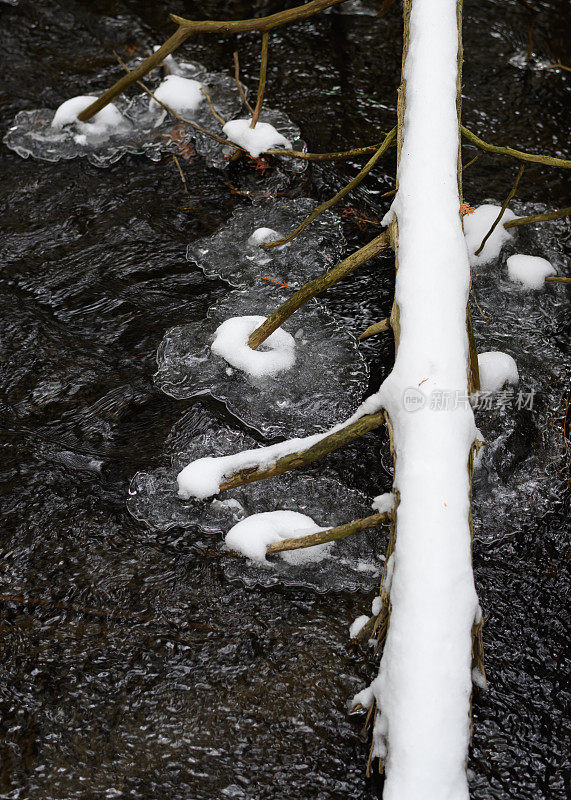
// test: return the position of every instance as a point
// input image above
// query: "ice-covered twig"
(262, 82)
(238, 84)
(188, 27)
(510, 196)
(316, 286)
(513, 223)
(549, 161)
(330, 535)
(377, 327)
(388, 141)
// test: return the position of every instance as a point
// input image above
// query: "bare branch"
(503, 208)
(549, 161)
(514, 223)
(340, 532)
(262, 82)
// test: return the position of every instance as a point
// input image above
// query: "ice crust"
(233, 253)
(529, 271)
(496, 370)
(148, 131)
(282, 404)
(351, 564)
(477, 225)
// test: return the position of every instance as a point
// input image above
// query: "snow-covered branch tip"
(187, 28)
(388, 141)
(330, 535)
(316, 286)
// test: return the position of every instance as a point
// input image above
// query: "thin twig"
(302, 458)
(557, 65)
(181, 173)
(387, 4)
(377, 327)
(500, 215)
(475, 299)
(262, 81)
(330, 535)
(212, 109)
(336, 156)
(238, 84)
(469, 164)
(514, 223)
(550, 161)
(316, 286)
(345, 190)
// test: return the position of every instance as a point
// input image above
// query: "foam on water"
(232, 255)
(323, 387)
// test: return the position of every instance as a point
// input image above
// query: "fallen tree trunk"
(422, 725)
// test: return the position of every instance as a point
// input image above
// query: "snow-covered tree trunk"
(422, 729)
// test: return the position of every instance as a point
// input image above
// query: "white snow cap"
(255, 140)
(477, 225)
(105, 122)
(183, 95)
(383, 503)
(363, 698)
(496, 369)
(376, 606)
(231, 343)
(529, 271)
(253, 535)
(263, 236)
(356, 626)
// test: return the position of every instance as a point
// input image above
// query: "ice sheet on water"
(147, 131)
(351, 564)
(232, 255)
(518, 466)
(324, 386)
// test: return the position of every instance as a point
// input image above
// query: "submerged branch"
(304, 457)
(340, 532)
(549, 161)
(345, 190)
(514, 223)
(316, 286)
(502, 210)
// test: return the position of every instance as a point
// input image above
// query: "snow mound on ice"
(183, 95)
(253, 535)
(477, 225)
(275, 355)
(529, 271)
(255, 140)
(496, 369)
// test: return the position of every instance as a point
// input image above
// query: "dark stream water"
(131, 666)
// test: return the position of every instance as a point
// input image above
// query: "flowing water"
(138, 659)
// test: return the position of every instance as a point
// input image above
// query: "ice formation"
(496, 369)
(350, 564)
(234, 254)
(255, 140)
(357, 625)
(282, 403)
(253, 535)
(231, 343)
(183, 95)
(143, 130)
(529, 271)
(423, 689)
(477, 225)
